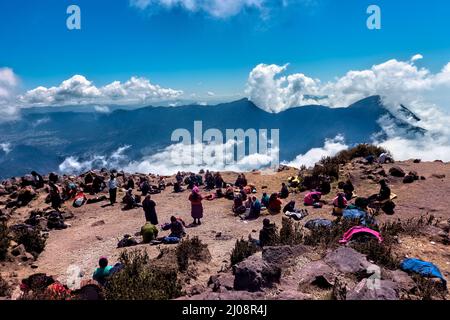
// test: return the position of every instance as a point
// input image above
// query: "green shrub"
(360, 151)
(290, 233)
(242, 250)
(138, 280)
(191, 249)
(4, 240)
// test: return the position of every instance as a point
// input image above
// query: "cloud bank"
(8, 86)
(214, 8)
(396, 81)
(78, 90)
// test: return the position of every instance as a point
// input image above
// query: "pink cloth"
(344, 200)
(309, 201)
(195, 189)
(359, 229)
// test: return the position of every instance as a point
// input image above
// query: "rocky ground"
(286, 272)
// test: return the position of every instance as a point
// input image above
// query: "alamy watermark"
(213, 147)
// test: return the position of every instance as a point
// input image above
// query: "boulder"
(283, 256)
(409, 179)
(396, 171)
(417, 160)
(18, 250)
(316, 273)
(254, 273)
(402, 279)
(367, 289)
(26, 257)
(381, 172)
(221, 281)
(347, 260)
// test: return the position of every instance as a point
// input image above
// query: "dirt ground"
(82, 243)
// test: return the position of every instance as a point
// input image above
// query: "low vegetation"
(191, 249)
(242, 250)
(290, 233)
(5, 289)
(32, 240)
(138, 280)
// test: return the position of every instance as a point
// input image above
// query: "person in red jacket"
(274, 204)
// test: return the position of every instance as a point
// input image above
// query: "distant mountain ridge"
(41, 141)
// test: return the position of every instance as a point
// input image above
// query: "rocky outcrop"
(370, 289)
(283, 256)
(347, 260)
(254, 273)
(396, 171)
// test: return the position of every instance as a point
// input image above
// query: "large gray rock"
(347, 260)
(254, 273)
(283, 256)
(221, 281)
(316, 273)
(374, 290)
(402, 279)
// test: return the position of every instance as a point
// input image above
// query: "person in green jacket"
(149, 232)
(102, 273)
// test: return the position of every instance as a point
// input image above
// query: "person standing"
(112, 185)
(149, 209)
(196, 205)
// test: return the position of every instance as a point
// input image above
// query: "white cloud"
(396, 81)
(5, 147)
(215, 8)
(417, 57)
(210, 93)
(76, 165)
(102, 109)
(8, 85)
(331, 147)
(79, 90)
(181, 157)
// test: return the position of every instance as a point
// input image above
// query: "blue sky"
(197, 52)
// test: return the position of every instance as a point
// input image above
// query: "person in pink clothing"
(312, 198)
(196, 205)
(339, 204)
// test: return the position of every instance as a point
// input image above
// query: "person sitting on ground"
(240, 182)
(149, 209)
(162, 183)
(255, 209)
(70, 191)
(243, 193)
(268, 235)
(55, 220)
(179, 178)
(129, 200)
(289, 207)
(149, 232)
(176, 228)
(38, 181)
(284, 193)
(244, 180)
(274, 206)
(385, 191)
(130, 183)
(145, 187)
(88, 178)
(103, 271)
(265, 200)
(177, 187)
(348, 189)
(339, 204)
(384, 158)
(313, 199)
(229, 192)
(80, 199)
(196, 205)
(112, 187)
(238, 205)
